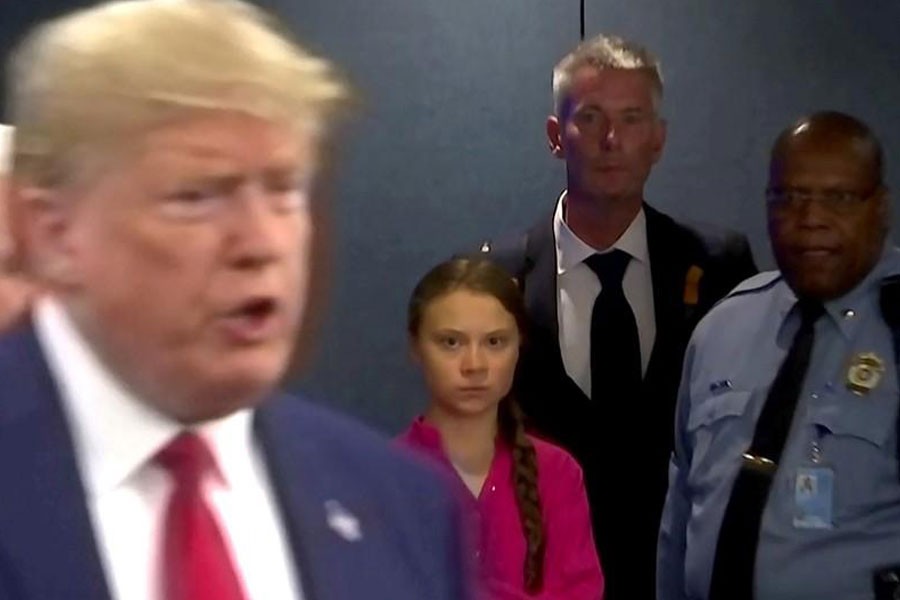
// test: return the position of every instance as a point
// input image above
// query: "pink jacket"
(571, 566)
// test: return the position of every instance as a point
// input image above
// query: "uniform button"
(814, 396)
(848, 313)
(493, 488)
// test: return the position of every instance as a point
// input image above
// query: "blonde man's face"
(186, 266)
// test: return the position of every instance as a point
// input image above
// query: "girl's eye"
(497, 342)
(450, 342)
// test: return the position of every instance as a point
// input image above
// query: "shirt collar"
(427, 437)
(846, 310)
(572, 250)
(115, 433)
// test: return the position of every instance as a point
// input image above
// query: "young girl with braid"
(526, 496)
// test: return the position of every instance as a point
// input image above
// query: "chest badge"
(864, 373)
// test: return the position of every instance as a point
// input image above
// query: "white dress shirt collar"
(115, 433)
(572, 250)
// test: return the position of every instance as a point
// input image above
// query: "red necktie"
(196, 563)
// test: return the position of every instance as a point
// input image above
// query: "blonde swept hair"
(85, 84)
(605, 52)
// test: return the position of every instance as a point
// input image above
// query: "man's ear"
(659, 139)
(42, 220)
(554, 137)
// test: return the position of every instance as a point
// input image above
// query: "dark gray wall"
(450, 148)
(19, 16)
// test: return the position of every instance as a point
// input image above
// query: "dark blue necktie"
(615, 348)
(735, 559)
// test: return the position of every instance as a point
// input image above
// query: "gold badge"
(864, 373)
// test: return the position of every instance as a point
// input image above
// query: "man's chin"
(231, 388)
(817, 287)
(14, 300)
(611, 192)
(219, 401)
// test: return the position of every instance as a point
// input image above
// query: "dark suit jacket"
(622, 446)
(409, 547)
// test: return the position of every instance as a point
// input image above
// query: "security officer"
(784, 481)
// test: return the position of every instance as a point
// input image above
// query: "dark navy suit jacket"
(409, 547)
(623, 445)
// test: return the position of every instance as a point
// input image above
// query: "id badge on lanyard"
(814, 490)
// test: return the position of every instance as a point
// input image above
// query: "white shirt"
(116, 437)
(577, 286)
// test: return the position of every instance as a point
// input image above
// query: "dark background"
(449, 148)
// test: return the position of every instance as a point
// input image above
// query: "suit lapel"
(45, 526)
(541, 302)
(302, 477)
(669, 261)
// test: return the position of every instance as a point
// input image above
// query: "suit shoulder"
(351, 446)
(723, 255)
(514, 251)
(508, 250)
(715, 239)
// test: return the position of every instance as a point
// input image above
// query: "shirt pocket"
(859, 442)
(717, 427)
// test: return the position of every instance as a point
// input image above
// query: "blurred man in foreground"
(164, 156)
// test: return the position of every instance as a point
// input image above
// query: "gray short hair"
(85, 84)
(605, 52)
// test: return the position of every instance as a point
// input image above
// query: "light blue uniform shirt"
(729, 366)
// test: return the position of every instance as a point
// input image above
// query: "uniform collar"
(847, 311)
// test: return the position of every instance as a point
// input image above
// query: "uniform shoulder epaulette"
(758, 283)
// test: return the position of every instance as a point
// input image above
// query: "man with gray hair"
(166, 161)
(614, 288)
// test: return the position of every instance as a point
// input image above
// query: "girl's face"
(468, 345)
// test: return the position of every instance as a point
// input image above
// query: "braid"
(525, 473)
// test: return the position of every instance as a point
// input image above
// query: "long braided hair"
(484, 277)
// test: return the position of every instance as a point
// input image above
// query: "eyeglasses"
(834, 200)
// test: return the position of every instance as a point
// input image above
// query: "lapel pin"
(342, 521)
(692, 285)
(864, 373)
